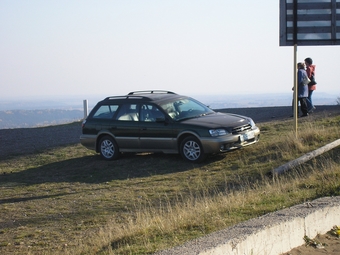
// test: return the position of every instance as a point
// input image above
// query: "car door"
(156, 132)
(126, 127)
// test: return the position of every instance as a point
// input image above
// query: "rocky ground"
(322, 244)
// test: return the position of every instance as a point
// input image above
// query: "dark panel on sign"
(309, 22)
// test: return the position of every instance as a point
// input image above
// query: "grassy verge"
(69, 201)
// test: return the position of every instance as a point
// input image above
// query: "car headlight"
(217, 132)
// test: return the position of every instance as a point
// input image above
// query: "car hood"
(218, 119)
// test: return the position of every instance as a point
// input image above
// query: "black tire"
(192, 150)
(108, 148)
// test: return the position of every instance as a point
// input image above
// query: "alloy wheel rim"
(192, 150)
(107, 149)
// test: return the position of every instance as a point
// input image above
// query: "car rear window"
(105, 112)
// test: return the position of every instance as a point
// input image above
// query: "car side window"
(105, 112)
(128, 112)
(150, 113)
(171, 110)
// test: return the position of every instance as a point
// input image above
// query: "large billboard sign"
(309, 22)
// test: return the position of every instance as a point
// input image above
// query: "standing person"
(302, 92)
(310, 68)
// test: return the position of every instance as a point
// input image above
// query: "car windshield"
(185, 109)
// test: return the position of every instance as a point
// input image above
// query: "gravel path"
(30, 140)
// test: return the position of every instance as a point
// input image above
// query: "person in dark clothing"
(302, 92)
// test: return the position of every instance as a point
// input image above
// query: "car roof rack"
(123, 97)
(143, 94)
(151, 92)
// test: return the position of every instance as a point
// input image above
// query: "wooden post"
(306, 157)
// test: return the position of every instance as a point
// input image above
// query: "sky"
(52, 48)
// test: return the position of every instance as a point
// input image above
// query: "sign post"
(312, 22)
(307, 23)
(295, 94)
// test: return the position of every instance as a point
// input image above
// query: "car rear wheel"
(108, 148)
(191, 149)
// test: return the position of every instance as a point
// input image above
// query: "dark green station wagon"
(163, 121)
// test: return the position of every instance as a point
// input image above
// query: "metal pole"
(86, 105)
(295, 101)
(295, 32)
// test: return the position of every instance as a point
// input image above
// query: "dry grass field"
(67, 200)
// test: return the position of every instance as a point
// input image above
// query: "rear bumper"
(88, 141)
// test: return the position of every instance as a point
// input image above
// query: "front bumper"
(230, 142)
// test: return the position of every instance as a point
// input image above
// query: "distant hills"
(37, 118)
(37, 113)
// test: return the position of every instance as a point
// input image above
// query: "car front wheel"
(191, 149)
(108, 148)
